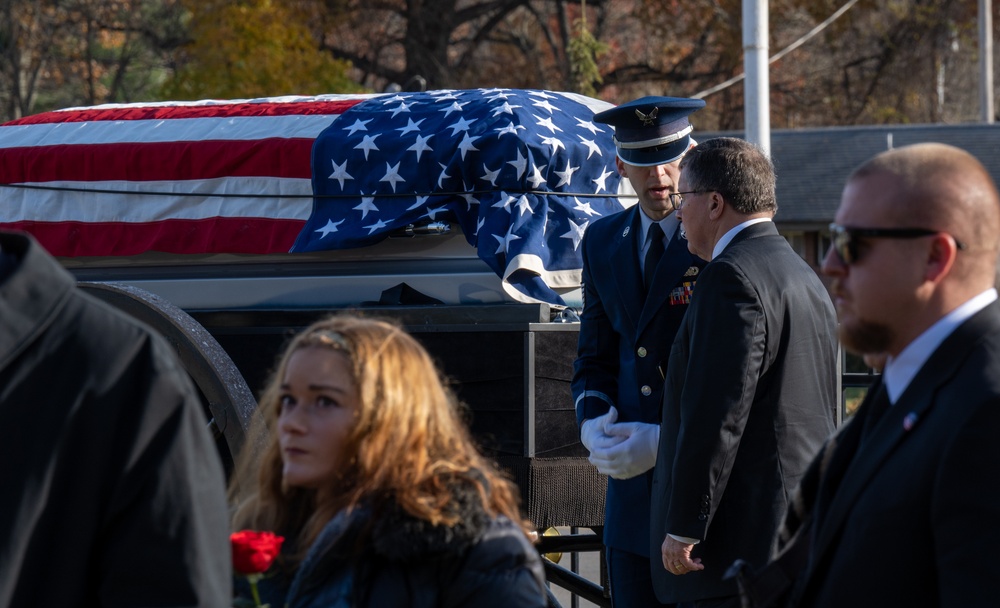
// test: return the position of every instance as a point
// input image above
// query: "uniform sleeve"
(595, 371)
(166, 532)
(727, 346)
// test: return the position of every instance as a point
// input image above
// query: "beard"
(865, 337)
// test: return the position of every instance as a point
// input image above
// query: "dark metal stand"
(568, 579)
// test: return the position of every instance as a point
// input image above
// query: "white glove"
(593, 433)
(633, 455)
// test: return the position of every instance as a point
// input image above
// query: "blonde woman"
(373, 479)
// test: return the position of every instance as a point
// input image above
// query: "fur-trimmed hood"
(368, 560)
(385, 542)
(398, 536)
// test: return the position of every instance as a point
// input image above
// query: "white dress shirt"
(900, 371)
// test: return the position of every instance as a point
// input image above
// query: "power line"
(788, 49)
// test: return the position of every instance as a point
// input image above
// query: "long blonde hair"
(409, 445)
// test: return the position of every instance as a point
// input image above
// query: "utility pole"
(986, 61)
(756, 87)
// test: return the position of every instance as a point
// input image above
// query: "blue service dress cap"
(651, 130)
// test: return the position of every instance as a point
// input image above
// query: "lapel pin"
(625, 233)
(910, 421)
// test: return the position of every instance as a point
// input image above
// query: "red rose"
(254, 552)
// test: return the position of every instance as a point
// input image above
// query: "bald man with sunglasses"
(902, 507)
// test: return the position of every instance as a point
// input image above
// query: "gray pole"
(986, 61)
(756, 87)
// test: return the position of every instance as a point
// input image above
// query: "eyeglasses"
(677, 198)
(844, 239)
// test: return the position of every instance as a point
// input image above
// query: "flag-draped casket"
(522, 173)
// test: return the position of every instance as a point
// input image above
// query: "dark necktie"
(878, 406)
(653, 254)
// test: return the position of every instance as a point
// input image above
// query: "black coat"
(751, 395)
(911, 518)
(408, 563)
(113, 492)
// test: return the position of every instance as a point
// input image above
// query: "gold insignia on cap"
(691, 271)
(647, 119)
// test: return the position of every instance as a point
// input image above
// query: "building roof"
(813, 164)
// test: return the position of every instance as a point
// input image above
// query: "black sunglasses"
(844, 239)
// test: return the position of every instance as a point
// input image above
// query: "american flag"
(179, 177)
(522, 172)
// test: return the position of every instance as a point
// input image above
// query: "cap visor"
(660, 155)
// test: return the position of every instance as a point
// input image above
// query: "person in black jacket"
(751, 387)
(113, 490)
(373, 479)
(911, 479)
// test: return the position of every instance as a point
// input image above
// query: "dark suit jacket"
(114, 494)
(750, 397)
(912, 518)
(624, 341)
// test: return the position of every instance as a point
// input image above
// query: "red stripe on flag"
(184, 160)
(213, 235)
(167, 112)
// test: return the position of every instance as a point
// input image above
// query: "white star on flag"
(411, 126)
(548, 124)
(340, 173)
(367, 144)
(555, 142)
(367, 204)
(583, 207)
(331, 226)
(376, 227)
(523, 205)
(392, 175)
(359, 125)
(566, 175)
(466, 145)
(520, 163)
(601, 181)
(420, 146)
(506, 108)
(575, 233)
(505, 201)
(506, 240)
(490, 176)
(544, 104)
(461, 125)
(592, 147)
(536, 178)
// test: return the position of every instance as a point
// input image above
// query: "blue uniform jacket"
(625, 339)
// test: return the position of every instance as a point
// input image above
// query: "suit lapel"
(857, 466)
(833, 473)
(898, 423)
(625, 264)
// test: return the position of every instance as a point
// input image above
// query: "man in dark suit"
(905, 503)
(633, 305)
(751, 387)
